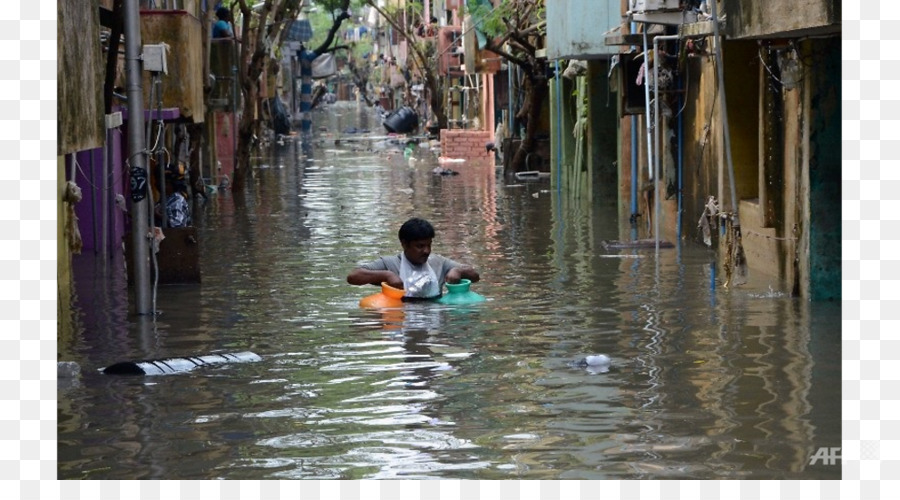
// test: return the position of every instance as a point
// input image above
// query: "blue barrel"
(401, 121)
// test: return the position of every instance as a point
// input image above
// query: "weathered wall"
(701, 142)
(791, 226)
(798, 238)
(182, 87)
(785, 145)
(79, 74)
(765, 18)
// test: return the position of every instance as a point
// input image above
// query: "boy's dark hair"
(416, 229)
(223, 13)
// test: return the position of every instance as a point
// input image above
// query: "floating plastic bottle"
(459, 294)
(594, 363)
(387, 297)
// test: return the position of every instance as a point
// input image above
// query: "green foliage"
(362, 47)
(491, 19)
(323, 16)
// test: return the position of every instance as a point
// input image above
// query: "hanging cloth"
(419, 281)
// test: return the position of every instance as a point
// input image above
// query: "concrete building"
(778, 130)
(583, 108)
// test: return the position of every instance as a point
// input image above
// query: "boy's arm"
(462, 272)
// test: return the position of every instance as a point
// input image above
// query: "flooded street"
(704, 383)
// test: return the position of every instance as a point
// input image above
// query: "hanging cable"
(768, 69)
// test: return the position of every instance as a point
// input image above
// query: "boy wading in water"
(416, 270)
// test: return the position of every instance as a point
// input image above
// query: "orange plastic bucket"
(387, 297)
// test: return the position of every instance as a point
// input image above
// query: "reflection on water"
(704, 382)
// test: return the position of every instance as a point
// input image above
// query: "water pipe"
(680, 161)
(647, 108)
(558, 130)
(634, 164)
(509, 95)
(104, 189)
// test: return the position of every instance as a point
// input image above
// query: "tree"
(423, 58)
(307, 56)
(515, 31)
(261, 29)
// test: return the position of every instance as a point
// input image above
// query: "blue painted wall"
(575, 28)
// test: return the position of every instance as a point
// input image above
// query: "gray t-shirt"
(440, 265)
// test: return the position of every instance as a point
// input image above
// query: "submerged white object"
(177, 365)
(597, 360)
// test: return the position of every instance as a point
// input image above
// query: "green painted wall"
(602, 132)
(824, 167)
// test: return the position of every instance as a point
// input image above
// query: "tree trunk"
(535, 94)
(361, 79)
(254, 52)
(436, 96)
(195, 141)
(245, 132)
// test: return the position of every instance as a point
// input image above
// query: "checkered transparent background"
(871, 387)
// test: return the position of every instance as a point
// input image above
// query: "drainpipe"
(647, 121)
(234, 124)
(558, 130)
(137, 158)
(634, 166)
(509, 94)
(104, 189)
(634, 170)
(93, 179)
(656, 60)
(680, 132)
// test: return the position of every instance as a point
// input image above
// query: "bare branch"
(335, 26)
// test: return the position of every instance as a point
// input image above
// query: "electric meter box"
(154, 57)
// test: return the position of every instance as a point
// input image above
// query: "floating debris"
(177, 365)
(532, 175)
(608, 244)
(444, 171)
(594, 363)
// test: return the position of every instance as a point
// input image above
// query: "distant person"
(178, 211)
(431, 29)
(416, 270)
(222, 27)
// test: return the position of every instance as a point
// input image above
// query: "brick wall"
(467, 144)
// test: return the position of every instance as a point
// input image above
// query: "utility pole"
(137, 159)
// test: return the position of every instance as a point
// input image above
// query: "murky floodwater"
(704, 383)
